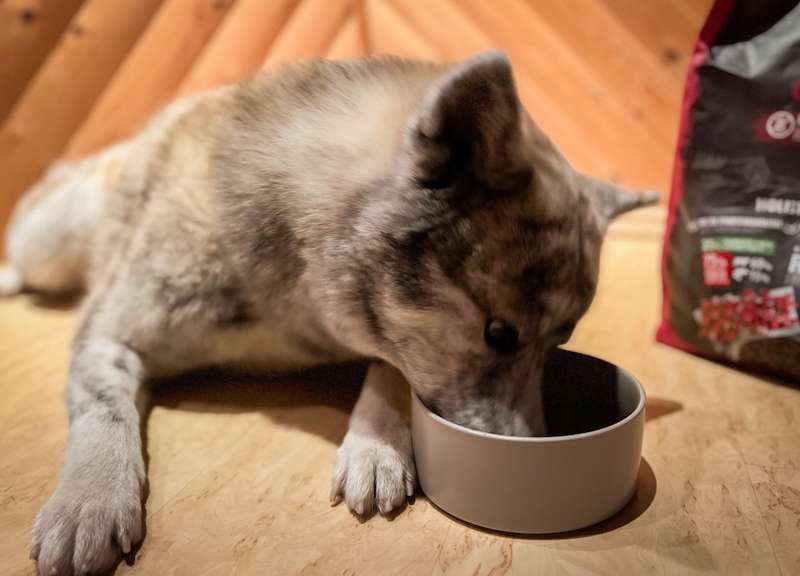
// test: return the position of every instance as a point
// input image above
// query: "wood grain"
(239, 46)
(310, 30)
(239, 465)
(66, 85)
(602, 77)
(389, 32)
(28, 31)
(350, 41)
(665, 30)
(149, 77)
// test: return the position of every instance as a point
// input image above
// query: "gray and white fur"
(404, 212)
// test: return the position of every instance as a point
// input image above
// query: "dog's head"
(489, 250)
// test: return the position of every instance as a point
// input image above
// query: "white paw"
(372, 471)
(83, 531)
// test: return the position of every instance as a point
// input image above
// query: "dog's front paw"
(372, 470)
(87, 530)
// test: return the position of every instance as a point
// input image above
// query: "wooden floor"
(240, 466)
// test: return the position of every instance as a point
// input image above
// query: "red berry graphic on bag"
(727, 319)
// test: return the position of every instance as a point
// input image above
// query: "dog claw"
(336, 490)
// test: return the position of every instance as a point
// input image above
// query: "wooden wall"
(603, 77)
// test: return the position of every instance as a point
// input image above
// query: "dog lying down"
(405, 212)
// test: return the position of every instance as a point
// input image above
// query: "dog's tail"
(49, 235)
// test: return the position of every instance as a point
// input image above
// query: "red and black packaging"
(731, 262)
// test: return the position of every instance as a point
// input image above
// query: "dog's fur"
(380, 209)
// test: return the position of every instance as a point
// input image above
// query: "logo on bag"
(781, 125)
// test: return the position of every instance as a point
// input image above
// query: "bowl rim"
(547, 439)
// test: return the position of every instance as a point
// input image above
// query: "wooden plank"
(388, 32)
(239, 47)
(459, 39)
(406, 25)
(310, 30)
(28, 31)
(350, 41)
(150, 75)
(476, 32)
(663, 28)
(644, 131)
(695, 10)
(63, 90)
(634, 154)
(612, 55)
(464, 37)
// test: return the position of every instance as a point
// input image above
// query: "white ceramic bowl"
(546, 484)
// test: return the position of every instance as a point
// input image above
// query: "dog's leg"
(375, 464)
(95, 514)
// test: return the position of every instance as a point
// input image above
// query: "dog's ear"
(468, 123)
(610, 200)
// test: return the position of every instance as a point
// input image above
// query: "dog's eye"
(501, 336)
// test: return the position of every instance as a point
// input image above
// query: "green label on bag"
(739, 244)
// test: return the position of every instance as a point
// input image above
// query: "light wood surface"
(240, 465)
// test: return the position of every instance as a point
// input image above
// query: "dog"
(404, 212)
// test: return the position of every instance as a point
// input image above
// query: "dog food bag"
(731, 266)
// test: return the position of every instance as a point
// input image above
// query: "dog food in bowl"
(583, 472)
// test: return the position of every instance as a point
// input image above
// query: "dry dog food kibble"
(732, 249)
